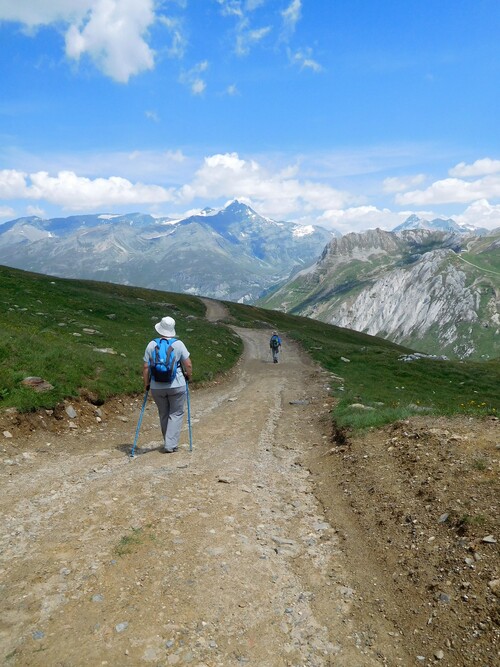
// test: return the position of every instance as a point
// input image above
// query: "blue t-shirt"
(181, 354)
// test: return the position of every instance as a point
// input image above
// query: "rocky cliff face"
(406, 304)
(434, 291)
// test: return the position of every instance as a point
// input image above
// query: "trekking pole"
(189, 417)
(139, 424)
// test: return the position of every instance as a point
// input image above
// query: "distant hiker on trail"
(275, 345)
(166, 368)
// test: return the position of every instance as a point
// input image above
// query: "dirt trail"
(217, 557)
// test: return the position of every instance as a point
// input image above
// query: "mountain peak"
(238, 207)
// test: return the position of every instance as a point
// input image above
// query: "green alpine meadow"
(87, 339)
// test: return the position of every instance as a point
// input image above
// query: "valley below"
(277, 541)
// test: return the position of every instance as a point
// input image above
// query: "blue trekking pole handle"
(189, 417)
(139, 423)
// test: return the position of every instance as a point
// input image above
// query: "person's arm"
(146, 376)
(187, 368)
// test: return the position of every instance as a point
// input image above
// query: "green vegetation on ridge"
(57, 329)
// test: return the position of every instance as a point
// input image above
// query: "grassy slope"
(42, 320)
(40, 315)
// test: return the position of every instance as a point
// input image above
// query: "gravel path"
(217, 557)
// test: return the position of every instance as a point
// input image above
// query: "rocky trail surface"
(268, 545)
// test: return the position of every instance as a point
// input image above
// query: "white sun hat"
(166, 327)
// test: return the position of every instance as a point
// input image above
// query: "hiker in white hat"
(167, 366)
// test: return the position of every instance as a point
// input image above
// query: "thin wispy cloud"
(291, 15)
(304, 60)
(400, 184)
(152, 115)
(35, 210)
(44, 12)
(246, 35)
(230, 7)
(247, 38)
(193, 78)
(179, 42)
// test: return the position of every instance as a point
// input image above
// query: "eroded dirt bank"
(256, 548)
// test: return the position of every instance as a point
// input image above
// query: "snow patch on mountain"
(303, 230)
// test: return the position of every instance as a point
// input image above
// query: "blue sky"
(348, 113)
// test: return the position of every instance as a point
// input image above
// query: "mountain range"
(438, 225)
(231, 254)
(435, 291)
(432, 285)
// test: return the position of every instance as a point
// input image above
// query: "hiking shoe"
(170, 451)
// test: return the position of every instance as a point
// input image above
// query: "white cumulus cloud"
(480, 214)
(6, 213)
(478, 168)
(453, 190)
(112, 33)
(360, 218)
(78, 193)
(276, 193)
(12, 184)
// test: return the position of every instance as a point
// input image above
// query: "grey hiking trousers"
(170, 403)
